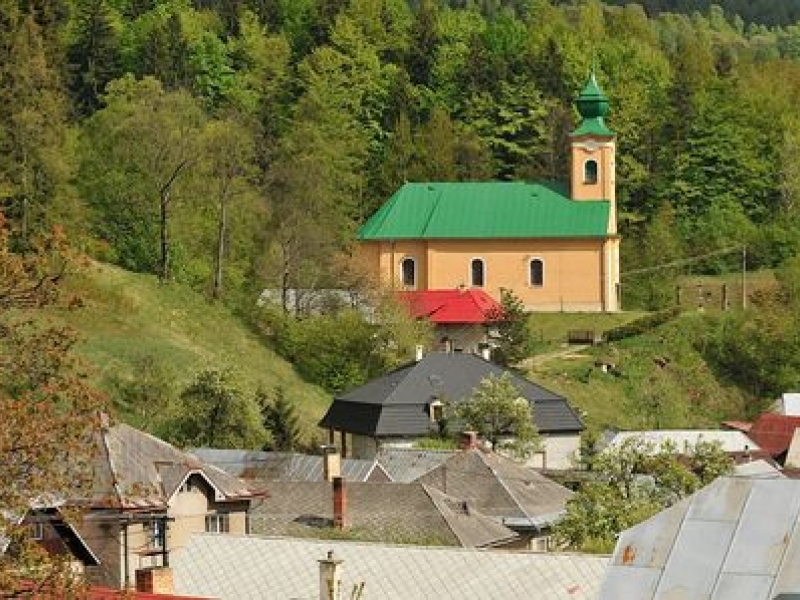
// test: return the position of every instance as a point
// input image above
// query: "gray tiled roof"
(501, 488)
(395, 404)
(254, 568)
(737, 538)
(136, 470)
(407, 464)
(286, 466)
(376, 511)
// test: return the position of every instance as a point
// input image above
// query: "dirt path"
(572, 351)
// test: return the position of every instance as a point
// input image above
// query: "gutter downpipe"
(126, 566)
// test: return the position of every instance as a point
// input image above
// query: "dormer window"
(477, 272)
(436, 410)
(590, 172)
(408, 272)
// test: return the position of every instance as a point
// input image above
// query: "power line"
(683, 261)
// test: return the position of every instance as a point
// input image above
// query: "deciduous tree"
(50, 414)
(497, 410)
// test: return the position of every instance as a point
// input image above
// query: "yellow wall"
(573, 268)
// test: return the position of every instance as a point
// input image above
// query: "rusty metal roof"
(735, 539)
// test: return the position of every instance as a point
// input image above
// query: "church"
(555, 246)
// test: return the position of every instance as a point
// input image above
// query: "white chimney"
(420, 352)
(330, 580)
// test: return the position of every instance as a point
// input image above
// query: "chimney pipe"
(331, 463)
(155, 580)
(339, 503)
(330, 580)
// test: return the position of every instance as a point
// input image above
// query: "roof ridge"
(432, 210)
(501, 481)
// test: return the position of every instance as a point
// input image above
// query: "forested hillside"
(239, 143)
(234, 145)
(762, 12)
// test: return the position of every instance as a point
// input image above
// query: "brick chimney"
(155, 580)
(330, 580)
(331, 463)
(469, 440)
(339, 503)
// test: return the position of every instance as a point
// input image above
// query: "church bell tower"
(593, 148)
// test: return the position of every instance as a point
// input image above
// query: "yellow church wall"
(573, 268)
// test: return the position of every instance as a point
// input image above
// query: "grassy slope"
(662, 381)
(127, 316)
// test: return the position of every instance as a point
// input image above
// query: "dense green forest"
(234, 145)
(763, 12)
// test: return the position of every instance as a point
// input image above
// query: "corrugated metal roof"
(407, 464)
(245, 568)
(497, 209)
(687, 439)
(774, 432)
(396, 404)
(285, 466)
(735, 539)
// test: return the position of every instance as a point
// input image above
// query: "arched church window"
(408, 272)
(537, 272)
(590, 171)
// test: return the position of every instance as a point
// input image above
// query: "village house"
(408, 404)
(148, 497)
(462, 319)
(517, 496)
(555, 246)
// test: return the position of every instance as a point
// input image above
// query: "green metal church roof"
(485, 210)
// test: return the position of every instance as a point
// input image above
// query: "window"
(408, 268)
(37, 530)
(477, 273)
(537, 272)
(590, 171)
(156, 533)
(219, 523)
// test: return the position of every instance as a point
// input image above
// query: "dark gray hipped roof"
(396, 404)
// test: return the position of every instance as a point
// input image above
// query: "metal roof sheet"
(284, 466)
(687, 439)
(496, 209)
(736, 538)
(244, 568)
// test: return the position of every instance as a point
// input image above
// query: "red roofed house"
(461, 317)
(554, 246)
(774, 433)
